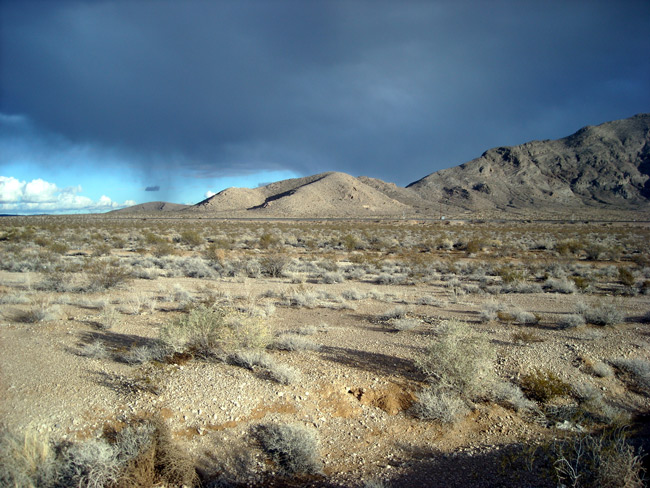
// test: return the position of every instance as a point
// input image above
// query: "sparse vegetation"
(136, 303)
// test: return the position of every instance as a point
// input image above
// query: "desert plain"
(165, 351)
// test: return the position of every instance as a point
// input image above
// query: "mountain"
(604, 167)
(150, 208)
(600, 170)
(323, 195)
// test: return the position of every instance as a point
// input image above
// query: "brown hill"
(605, 167)
(324, 195)
(150, 208)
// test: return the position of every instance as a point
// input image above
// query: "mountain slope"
(606, 166)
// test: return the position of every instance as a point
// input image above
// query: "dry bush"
(209, 331)
(638, 368)
(292, 447)
(459, 359)
(294, 342)
(95, 350)
(25, 460)
(606, 314)
(605, 461)
(405, 324)
(525, 337)
(511, 396)
(109, 318)
(571, 321)
(40, 310)
(434, 403)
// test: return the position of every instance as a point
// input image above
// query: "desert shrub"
(626, 277)
(108, 319)
(510, 274)
(600, 369)
(143, 354)
(207, 331)
(14, 299)
(104, 275)
(511, 396)
(332, 277)
(606, 314)
(639, 368)
(524, 317)
(101, 249)
(525, 337)
(428, 300)
(267, 240)
(434, 403)
(249, 358)
(405, 324)
(40, 309)
(95, 349)
(571, 321)
(563, 285)
(273, 265)
(459, 359)
(570, 246)
(293, 448)
(606, 461)
(282, 373)
(293, 342)
(398, 312)
(163, 249)
(543, 385)
(191, 238)
(25, 460)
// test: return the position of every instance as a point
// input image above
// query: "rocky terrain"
(606, 167)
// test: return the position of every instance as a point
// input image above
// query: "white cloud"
(209, 194)
(40, 196)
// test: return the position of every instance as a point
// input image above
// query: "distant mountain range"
(598, 170)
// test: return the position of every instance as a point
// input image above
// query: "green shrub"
(544, 385)
(191, 238)
(626, 277)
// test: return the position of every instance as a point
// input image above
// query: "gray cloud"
(152, 188)
(394, 90)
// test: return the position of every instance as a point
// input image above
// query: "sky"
(109, 103)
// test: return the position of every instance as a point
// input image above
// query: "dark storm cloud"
(395, 90)
(152, 188)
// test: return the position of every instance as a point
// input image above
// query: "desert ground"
(149, 351)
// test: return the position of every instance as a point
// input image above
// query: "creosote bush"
(543, 385)
(459, 359)
(208, 331)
